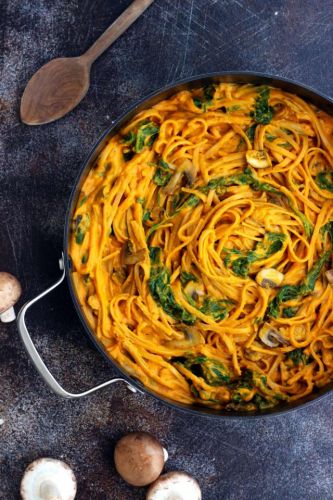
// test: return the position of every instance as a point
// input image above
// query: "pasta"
(202, 247)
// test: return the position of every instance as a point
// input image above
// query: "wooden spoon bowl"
(54, 90)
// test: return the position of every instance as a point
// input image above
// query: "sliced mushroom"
(139, 458)
(329, 276)
(192, 337)
(10, 292)
(258, 158)
(48, 479)
(194, 290)
(173, 182)
(174, 486)
(190, 172)
(129, 256)
(269, 278)
(271, 337)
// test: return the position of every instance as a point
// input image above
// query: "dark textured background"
(286, 457)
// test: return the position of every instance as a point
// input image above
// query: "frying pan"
(309, 94)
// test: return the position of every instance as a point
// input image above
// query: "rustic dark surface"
(286, 457)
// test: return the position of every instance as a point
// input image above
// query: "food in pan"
(202, 245)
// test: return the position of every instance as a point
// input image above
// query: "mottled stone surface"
(287, 457)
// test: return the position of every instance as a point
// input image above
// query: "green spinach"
(186, 277)
(146, 135)
(298, 356)
(161, 291)
(325, 180)
(207, 98)
(292, 292)
(263, 112)
(163, 174)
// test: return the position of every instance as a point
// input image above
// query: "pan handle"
(37, 360)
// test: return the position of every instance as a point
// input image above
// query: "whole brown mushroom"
(10, 292)
(139, 458)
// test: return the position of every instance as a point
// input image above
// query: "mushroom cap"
(174, 486)
(10, 291)
(48, 479)
(139, 458)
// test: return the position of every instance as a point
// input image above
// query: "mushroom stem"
(8, 316)
(48, 479)
(49, 491)
(165, 455)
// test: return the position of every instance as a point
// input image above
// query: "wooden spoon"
(59, 85)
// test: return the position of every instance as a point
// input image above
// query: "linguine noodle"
(202, 247)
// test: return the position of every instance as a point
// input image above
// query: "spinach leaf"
(146, 135)
(84, 259)
(291, 292)
(129, 138)
(240, 267)
(313, 274)
(80, 226)
(289, 312)
(245, 178)
(271, 243)
(270, 137)
(328, 229)
(146, 216)
(263, 112)
(83, 200)
(192, 201)
(160, 288)
(235, 107)
(186, 277)
(287, 292)
(229, 252)
(206, 100)
(306, 224)
(211, 370)
(163, 174)
(155, 254)
(297, 356)
(325, 180)
(218, 309)
(251, 132)
(214, 372)
(245, 381)
(264, 403)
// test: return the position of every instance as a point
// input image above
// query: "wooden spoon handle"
(116, 29)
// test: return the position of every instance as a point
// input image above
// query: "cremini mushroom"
(174, 486)
(194, 290)
(269, 278)
(192, 337)
(190, 172)
(173, 182)
(329, 275)
(10, 292)
(129, 256)
(48, 479)
(139, 458)
(270, 336)
(258, 158)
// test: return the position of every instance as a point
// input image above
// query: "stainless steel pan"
(307, 93)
